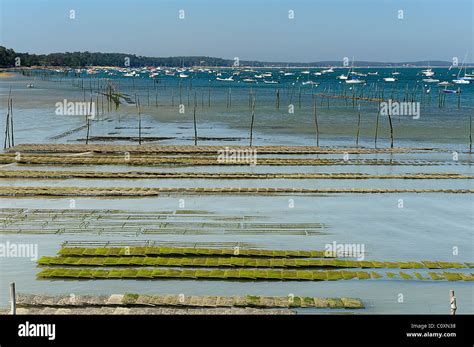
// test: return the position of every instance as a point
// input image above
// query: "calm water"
(426, 228)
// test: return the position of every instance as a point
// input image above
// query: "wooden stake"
(377, 126)
(316, 121)
(251, 123)
(195, 125)
(358, 127)
(139, 123)
(12, 298)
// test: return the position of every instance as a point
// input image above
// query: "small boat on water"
(312, 83)
(428, 72)
(228, 79)
(461, 81)
(430, 80)
(376, 73)
(451, 91)
(328, 70)
(354, 80)
(270, 82)
(317, 74)
(306, 72)
(183, 75)
(249, 80)
(389, 79)
(444, 83)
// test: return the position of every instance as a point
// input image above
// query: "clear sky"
(248, 29)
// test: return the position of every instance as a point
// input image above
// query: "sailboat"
(353, 80)
(465, 79)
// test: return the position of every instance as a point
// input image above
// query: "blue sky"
(248, 29)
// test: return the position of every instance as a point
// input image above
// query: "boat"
(328, 70)
(29, 85)
(461, 81)
(305, 72)
(376, 73)
(312, 83)
(451, 91)
(354, 80)
(183, 75)
(228, 79)
(430, 80)
(444, 83)
(389, 79)
(249, 80)
(288, 74)
(270, 82)
(428, 72)
(317, 74)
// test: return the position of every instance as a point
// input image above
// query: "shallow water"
(426, 228)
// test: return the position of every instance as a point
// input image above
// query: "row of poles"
(375, 93)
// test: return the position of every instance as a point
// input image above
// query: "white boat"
(154, 74)
(317, 74)
(354, 80)
(342, 77)
(427, 72)
(258, 76)
(183, 75)
(228, 79)
(430, 80)
(389, 79)
(306, 72)
(444, 83)
(373, 73)
(288, 74)
(270, 82)
(358, 74)
(461, 81)
(249, 80)
(328, 70)
(312, 83)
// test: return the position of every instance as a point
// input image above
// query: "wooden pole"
(358, 127)
(139, 123)
(377, 126)
(316, 121)
(470, 132)
(13, 298)
(195, 125)
(391, 128)
(251, 123)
